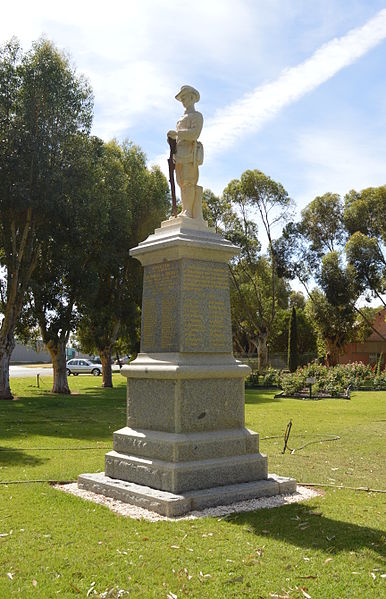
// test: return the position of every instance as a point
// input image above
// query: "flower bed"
(333, 381)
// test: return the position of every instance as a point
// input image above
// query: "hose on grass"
(11, 449)
(292, 451)
(303, 484)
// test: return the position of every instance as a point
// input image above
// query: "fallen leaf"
(309, 576)
(329, 559)
(34, 583)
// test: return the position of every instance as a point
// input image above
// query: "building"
(370, 350)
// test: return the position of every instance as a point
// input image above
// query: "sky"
(294, 88)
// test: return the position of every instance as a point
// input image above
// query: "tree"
(297, 300)
(256, 281)
(365, 221)
(292, 342)
(322, 223)
(43, 106)
(366, 257)
(312, 251)
(64, 273)
(111, 307)
(332, 308)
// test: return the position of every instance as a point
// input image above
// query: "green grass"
(329, 547)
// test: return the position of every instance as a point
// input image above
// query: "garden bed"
(305, 395)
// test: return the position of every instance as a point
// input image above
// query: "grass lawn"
(53, 544)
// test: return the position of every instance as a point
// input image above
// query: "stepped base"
(186, 476)
(172, 505)
(184, 447)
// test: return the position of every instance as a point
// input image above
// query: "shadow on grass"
(260, 396)
(306, 527)
(17, 457)
(90, 414)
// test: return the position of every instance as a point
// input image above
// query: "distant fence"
(276, 360)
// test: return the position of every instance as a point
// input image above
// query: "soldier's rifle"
(173, 147)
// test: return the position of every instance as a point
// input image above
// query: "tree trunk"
(7, 345)
(292, 361)
(262, 352)
(107, 373)
(58, 356)
(333, 353)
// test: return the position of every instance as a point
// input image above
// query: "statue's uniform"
(189, 154)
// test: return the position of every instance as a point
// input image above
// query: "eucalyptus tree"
(44, 105)
(68, 255)
(364, 217)
(256, 279)
(312, 250)
(111, 306)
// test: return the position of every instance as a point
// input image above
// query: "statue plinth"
(185, 445)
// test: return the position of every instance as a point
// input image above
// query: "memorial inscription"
(186, 307)
(160, 308)
(205, 297)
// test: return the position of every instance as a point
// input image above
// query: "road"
(25, 371)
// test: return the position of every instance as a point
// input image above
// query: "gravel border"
(138, 513)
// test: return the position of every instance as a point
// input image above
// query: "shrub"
(332, 379)
(271, 377)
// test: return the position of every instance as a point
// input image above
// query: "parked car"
(82, 366)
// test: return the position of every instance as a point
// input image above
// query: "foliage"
(44, 108)
(322, 224)
(271, 377)
(135, 200)
(364, 217)
(333, 379)
(312, 250)
(257, 289)
(369, 264)
(332, 311)
(65, 263)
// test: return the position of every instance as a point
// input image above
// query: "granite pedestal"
(185, 445)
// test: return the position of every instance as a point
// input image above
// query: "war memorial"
(185, 446)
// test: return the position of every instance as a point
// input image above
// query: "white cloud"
(252, 111)
(136, 54)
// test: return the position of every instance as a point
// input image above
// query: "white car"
(82, 366)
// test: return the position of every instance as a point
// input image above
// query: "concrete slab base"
(171, 505)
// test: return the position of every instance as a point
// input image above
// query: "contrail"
(253, 110)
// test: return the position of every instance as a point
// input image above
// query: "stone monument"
(185, 445)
